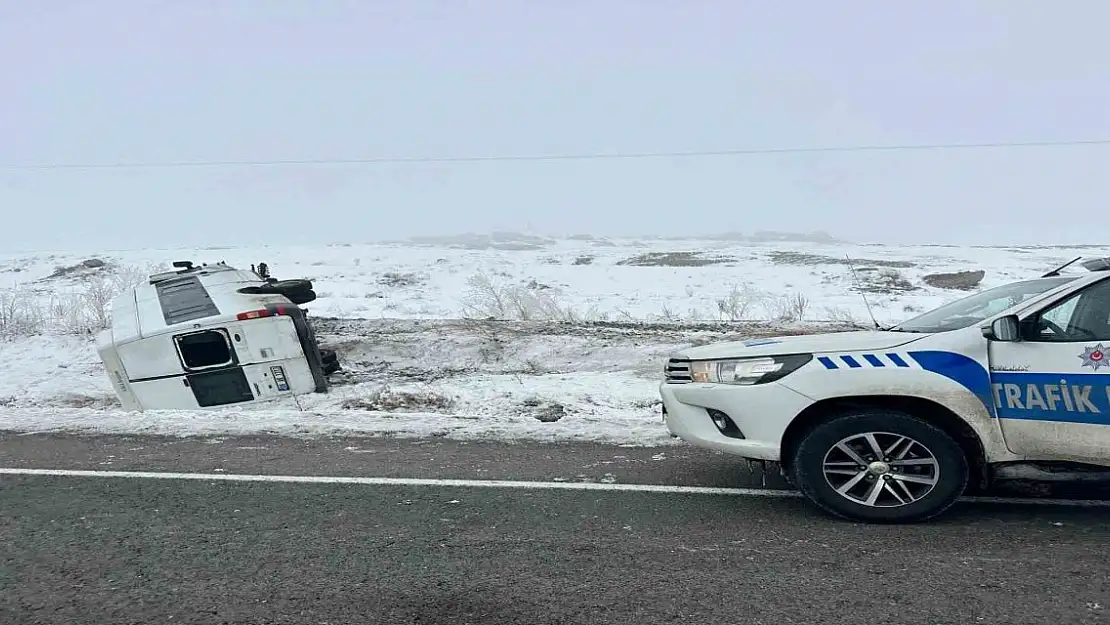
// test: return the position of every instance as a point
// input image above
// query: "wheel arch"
(929, 410)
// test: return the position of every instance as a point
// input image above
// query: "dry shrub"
(19, 316)
(85, 309)
(742, 300)
(84, 268)
(839, 315)
(674, 259)
(543, 410)
(789, 307)
(783, 257)
(386, 399)
(738, 303)
(883, 281)
(668, 314)
(401, 280)
(959, 280)
(487, 299)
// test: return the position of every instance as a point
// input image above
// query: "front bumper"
(761, 412)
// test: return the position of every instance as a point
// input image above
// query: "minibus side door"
(212, 367)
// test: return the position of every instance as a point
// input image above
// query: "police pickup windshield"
(973, 309)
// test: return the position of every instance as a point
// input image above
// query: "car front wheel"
(880, 466)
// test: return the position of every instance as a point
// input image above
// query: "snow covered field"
(482, 336)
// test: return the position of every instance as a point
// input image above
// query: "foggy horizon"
(453, 238)
(108, 81)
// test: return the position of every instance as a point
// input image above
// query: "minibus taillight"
(274, 310)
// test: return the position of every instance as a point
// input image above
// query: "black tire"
(951, 468)
(328, 355)
(279, 287)
(301, 297)
(332, 367)
(283, 286)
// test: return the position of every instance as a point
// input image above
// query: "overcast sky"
(111, 81)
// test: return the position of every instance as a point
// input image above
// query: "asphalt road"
(386, 457)
(115, 550)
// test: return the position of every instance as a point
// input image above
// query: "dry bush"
(487, 299)
(668, 314)
(101, 401)
(543, 410)
(386, 399)
(883, 281)
(780, 257)
(840, 315)
(788, 307)
(130, 276)
(95, 302)
(674, 259)
(84, 268)
(739, 302)
(624, 316)
(400, 280)
(85, 309)
(742, 301)
(19, 313)
(959, 280)
(90, 307)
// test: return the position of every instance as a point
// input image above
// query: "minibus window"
(204, 350)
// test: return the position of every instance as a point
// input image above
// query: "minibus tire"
(301, 297)
(283, 287)
(289, 286)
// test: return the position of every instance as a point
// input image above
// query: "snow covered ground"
(402, 377)
(574, 351)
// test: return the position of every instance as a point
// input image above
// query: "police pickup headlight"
(747, 371)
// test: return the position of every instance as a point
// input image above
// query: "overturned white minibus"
(211, 336)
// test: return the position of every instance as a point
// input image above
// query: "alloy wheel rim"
(881, 469)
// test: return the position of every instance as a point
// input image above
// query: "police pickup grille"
(677, 371)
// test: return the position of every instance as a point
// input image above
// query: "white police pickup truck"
(894, 425)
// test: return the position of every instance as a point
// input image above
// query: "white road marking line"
(410, 481)
(405, 481)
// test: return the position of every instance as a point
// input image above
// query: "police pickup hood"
(809, 344)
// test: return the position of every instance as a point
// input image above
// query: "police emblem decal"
(1094, 357)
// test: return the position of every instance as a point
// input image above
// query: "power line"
(555, 157)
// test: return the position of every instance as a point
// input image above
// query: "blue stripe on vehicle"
(874, 360)
(861, 361)
(965, 371)
(851, 362)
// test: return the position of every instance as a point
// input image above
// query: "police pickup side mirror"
(1005, 329)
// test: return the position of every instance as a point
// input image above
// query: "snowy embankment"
(574, 350)
(459, 379)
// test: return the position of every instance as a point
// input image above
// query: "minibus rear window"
(205, 350)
